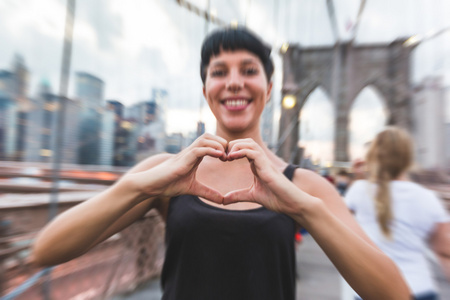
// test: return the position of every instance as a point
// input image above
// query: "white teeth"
(235, 103)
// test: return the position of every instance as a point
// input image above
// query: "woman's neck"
(254, 134)
(403, 177)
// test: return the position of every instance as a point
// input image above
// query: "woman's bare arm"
(440, 243)
(82, 227)
(352, 252)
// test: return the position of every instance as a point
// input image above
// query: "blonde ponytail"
(389, 156)
(383, 205)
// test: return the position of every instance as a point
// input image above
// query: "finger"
(244, 152)
(242, 195)
(212, 138)
(201, 152)
(201, 190)
(237, 150)
(188, 160)
(240, 143)
(209, 143)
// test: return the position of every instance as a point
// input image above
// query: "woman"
(230, 208)
(400, 216)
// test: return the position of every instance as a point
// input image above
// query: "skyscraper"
(8, 129)
(42, 127)
(89, 89)
(97, 121)
(13, 92)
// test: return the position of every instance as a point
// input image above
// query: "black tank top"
(214, 253)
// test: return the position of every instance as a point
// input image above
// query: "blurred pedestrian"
(342, 181)
(359, 169)
(401, 217)
(325, 173)
(231, 206)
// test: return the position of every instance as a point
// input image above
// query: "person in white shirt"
(401, 217)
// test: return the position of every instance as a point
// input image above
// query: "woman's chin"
(237, 127)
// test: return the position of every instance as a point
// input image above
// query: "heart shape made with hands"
(229, 178)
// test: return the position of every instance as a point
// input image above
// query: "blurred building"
(15, 105)
(89, 88)
(200, 128)
(174, 143)
(125, 147)
(149, 121)
(42, 127)
(96, 138)
(429, 123)
(107, 131)
(161, 97)
(141, 113)
(125, 136)
(21, 89)
(7, 79)
(118, 109)
(8, 116)
(8, 129)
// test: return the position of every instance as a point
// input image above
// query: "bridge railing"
(117, 265)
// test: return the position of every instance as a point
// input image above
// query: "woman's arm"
(352, 252)
(440, 243)
(323, 214)
(80, 228)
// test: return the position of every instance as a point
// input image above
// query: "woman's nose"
(234, 83)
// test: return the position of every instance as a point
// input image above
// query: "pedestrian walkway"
(318, 278)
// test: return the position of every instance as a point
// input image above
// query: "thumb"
(201, 190)
(238, 196)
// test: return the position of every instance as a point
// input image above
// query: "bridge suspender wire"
(202, 13)
(206, 30)
(332, 16)
(26, 285)
(63, 91)
(358, 20)
(58, 146)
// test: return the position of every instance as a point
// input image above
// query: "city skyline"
(123, 44)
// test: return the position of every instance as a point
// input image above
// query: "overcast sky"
(134, 46)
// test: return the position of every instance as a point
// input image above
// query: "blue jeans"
(425, 296)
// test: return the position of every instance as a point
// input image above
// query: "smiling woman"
(231, 206)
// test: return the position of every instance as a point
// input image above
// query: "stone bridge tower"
(343, 71)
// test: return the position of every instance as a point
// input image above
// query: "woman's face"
(236, 89)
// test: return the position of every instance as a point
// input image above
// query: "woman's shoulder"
(413, 188)
(309, 181)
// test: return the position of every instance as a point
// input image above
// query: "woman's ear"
(269, 91)
(204, 91)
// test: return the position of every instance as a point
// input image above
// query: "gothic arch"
(344, 70)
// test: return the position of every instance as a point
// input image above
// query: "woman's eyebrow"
(218, 64)
(248, 61)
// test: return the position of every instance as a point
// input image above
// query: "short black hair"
(239, 38)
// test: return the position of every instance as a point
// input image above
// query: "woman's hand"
(267, 179)
(177, 175)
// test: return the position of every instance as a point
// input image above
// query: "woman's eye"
(250, 71)
(217, 73)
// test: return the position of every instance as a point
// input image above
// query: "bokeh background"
(89, 88)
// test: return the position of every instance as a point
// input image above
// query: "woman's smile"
(236, 103)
